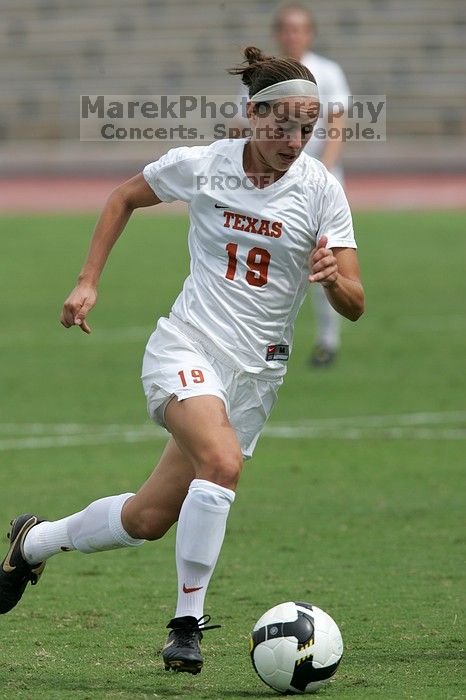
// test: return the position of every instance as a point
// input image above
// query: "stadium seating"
(53, 50)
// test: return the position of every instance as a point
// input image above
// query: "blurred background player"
(295, 29)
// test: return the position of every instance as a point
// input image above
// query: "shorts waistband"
(213, 349)
(198, 336)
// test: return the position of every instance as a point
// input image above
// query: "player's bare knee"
(221, 468)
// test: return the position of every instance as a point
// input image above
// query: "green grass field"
(353, 500)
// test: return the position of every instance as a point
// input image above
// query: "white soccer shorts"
(180, 361)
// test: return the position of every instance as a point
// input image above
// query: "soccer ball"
(295, 647)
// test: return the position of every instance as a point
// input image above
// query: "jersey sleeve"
(172, 176)
(335, 219)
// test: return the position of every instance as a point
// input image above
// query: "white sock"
(45, 539)
(199, 538)
(94, 529)
(328, 320)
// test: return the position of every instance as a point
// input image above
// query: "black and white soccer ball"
(296, 647)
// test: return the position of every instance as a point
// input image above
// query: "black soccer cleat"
(322, 356)
(182, 650)
(15, 572)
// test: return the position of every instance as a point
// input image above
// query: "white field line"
(449, 425)
(382, 421)
(133, 334)
(285, 432)
(34, 443)
(130, 334)
(69, 429)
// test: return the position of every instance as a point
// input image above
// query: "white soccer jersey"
(333, 87)
(249, 247)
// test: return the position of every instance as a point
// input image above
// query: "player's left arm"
(337, 270)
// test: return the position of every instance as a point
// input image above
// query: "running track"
(365, 192)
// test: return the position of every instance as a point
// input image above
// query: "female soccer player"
(262, 214)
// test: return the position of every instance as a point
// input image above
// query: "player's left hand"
(323, 264)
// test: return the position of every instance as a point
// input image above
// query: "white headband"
(286, 88)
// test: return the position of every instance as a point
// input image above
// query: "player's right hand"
(75, 309)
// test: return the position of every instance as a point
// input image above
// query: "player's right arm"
(120, 205)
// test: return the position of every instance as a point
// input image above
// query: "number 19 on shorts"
(196, 376)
